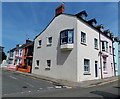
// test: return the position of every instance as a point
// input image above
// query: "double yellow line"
(103, 83)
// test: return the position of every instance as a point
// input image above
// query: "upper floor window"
(110, 49)
(96, 43)
(39, 42)
(11, 54)
(37, 62)
(49, 40)
(66, 36)
(105, 46)
(83, 37)
(20, 53)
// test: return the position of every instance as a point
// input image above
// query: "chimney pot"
(60, 9)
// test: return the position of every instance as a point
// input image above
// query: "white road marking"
(58, 87)
(12, 77)
(30, 85)
(40, 88)
(29, 91)
(49, 87)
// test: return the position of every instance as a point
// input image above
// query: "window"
(105, 46)
(104, 63)
(49, 40)
(110, 49)
(83, 16)
(20, 52)
(95, 43)
(37, 62)
(66, 36)
(48, 63)
(86, 65)
(39, 42)
(83, 37)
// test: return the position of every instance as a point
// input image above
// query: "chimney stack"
(59, 9)
(28, 41)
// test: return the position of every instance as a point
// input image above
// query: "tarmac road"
(16, 85)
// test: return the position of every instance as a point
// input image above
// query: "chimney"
(28, 41)
(59, 9)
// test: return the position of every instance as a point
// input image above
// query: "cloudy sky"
(22, 20)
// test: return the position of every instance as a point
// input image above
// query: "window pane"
(86, 65)
(83, 37)
(70, 36)
(50, 40)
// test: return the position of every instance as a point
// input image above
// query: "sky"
(22, 20)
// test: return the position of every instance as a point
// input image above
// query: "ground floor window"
(86, 65)
(104, 64)
(48, 65)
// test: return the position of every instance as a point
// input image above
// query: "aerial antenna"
(27, 38)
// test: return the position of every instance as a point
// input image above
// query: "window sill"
(105, 72)
(49, 44)
(47, 68)
(105, 51)
(96, 48)
(83, 43)
(87, 73)
(39, 47)
(36, 67)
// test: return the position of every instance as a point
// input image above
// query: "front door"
(96, 69)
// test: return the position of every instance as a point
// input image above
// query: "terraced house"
(20, 57)
(73, 48)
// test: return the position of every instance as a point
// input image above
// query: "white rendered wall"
(87, 52)
(64, 64)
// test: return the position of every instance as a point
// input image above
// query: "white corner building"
(68, 49)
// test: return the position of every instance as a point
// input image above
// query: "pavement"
(71, 84)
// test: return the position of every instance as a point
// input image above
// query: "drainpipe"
(113, 58)
(100, 56)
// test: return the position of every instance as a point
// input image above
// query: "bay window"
(66, 36)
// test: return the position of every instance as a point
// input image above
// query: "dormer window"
(92, 22)
(107, 32)
(100, 27)
(82, 15)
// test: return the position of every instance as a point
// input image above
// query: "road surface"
(16, 85)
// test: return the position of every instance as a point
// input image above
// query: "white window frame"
(48, 40)
(105, 46)
(37, 64)
(95, 43)
(47, 66)
(83, 37)
(87, 65)
(104, 64)
(39, 44)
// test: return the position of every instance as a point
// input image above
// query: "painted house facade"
(119, 58)
(69, 49)
(20, 57)
(11, 59)
(27, 56)
(115, 44)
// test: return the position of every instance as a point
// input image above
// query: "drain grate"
(24, 87)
